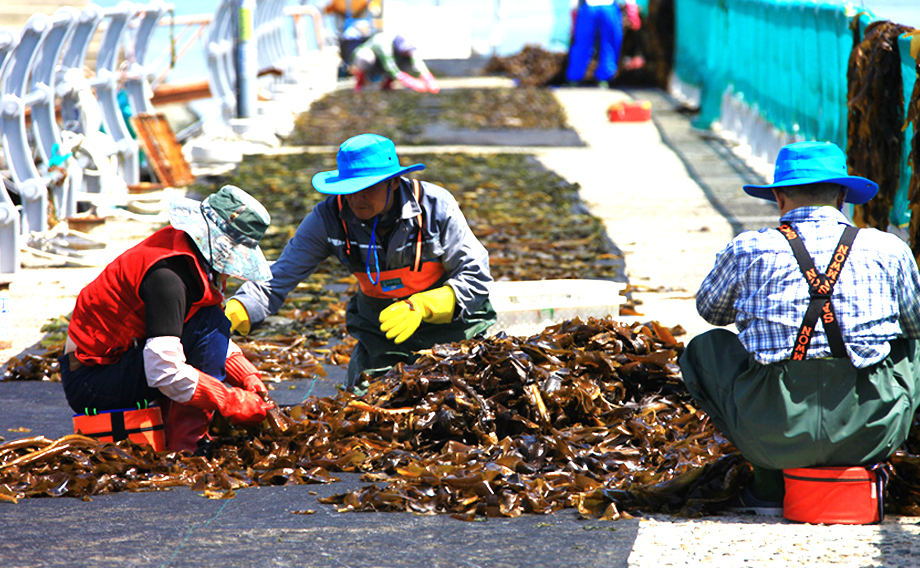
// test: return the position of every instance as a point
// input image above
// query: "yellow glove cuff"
(238, 316)
(437, 305)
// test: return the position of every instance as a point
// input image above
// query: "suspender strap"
(338, 200)
(354, 255)
(820, 289)
(417, 265)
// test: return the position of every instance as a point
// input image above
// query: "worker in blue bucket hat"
(423, 277)
(150, 328)
(825, 367)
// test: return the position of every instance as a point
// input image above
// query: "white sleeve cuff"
(232, 349)
(166, 369)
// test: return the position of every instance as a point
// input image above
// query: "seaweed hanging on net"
(875, 116)
(913, 118)
(648, 53)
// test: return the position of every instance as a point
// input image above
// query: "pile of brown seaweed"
(44, 367)
(652, 45)
(533, 66)
(403, 115)
(590, 415)
(557, 238)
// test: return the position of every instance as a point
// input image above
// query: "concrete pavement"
(670, 199)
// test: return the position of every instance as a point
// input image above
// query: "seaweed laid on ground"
(589, 415)
(875, 117)
(557, 238)
(403, 115)
(44, 367)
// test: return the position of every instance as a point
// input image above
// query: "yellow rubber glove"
(238, 316)
(400, 320)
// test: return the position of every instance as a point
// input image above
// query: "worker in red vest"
(423, 276)
(151, 328)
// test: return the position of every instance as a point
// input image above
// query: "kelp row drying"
(402, 115)
(556, 238)
(590, 415)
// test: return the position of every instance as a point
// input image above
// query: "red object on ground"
(144, 426)
(630, 111)
(834, 495)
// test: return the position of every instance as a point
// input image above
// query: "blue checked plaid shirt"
(757, 284)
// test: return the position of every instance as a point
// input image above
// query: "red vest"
(110, 316)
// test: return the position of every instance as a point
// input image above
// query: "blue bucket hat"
(802, 163)
(363, 160)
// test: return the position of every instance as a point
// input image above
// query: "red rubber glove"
(241, 373)
(411, 82)
(360, 79)
(237, 405)
(632, 15)
(430, 82)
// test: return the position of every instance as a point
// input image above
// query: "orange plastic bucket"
(144, 426)
(835, 495)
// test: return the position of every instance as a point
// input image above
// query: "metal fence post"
(246, 62)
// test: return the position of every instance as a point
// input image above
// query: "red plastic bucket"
(835, 495)
(629, 111)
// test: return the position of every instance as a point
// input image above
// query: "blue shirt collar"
(815, 214)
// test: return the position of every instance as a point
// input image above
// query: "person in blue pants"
(598, 23)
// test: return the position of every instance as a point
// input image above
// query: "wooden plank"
(162, 150)
(168, 93)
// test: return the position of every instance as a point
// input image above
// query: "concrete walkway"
(655, 213)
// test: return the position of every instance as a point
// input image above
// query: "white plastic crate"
(527, 307)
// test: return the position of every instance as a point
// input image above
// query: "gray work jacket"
(446, 238)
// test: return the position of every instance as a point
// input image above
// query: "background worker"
(150, 327)
(824, 370)
(598, 28)
(423, 276)
(392, 58)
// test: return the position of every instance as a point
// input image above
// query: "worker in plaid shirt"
(783, 390)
